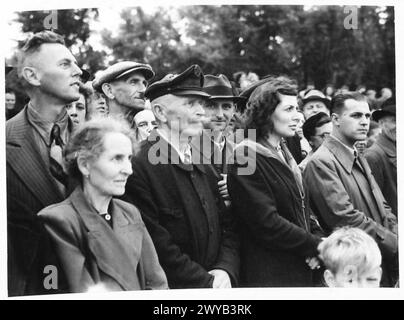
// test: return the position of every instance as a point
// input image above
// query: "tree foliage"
(309, 44)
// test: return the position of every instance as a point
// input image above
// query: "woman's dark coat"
(275, 221)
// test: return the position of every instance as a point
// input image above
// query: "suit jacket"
(92, 253)
(382, 159)
(342, 195)
(275, 223)
(185, 215)
(30, 188)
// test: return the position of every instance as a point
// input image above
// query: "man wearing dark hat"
(35, 139)
(315, 130)
(382, 155)
(342, 189)
(124, 84)
(178, 196)
(314, 101)
(219, 111)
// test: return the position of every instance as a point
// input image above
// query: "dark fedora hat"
(387, 108)
(188, 83)
(219, 87)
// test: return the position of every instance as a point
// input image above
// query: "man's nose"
(76, 70)
(200, 110)
(142, 88)
(365, 121)
(219, 113)
(150, 127)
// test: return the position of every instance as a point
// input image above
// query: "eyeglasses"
(323, 135)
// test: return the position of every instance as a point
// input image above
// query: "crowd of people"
(193, 181)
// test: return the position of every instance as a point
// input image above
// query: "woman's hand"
(313, 263)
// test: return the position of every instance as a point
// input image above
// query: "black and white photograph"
(200, 151)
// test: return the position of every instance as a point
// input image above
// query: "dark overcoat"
(382, 159)
(181, 206)
(275, 222)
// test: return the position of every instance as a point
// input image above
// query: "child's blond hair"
(349, 247)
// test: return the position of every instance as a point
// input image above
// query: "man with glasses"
(315, 130)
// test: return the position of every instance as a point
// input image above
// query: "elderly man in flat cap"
(178, 196)
(124, 84)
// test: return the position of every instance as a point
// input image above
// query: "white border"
(207, 294)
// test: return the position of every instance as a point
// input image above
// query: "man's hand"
(223, 187)
(221, 279)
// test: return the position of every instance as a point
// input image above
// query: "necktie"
(187, 155)
(56, 156)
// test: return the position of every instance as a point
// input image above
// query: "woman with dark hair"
(102, 242)
(277, 244)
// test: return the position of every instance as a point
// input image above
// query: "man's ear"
(31, 75)
(335, 119)
(108, 90)
(159, 112)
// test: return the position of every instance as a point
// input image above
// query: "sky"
(109, 18)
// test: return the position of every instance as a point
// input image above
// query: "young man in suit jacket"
(35, 177)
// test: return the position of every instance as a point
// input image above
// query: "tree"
(74, 26)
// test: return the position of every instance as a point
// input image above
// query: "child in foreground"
(351, 258)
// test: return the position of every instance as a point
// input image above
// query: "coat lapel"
(373, 185)
(24, 158)
(346, 159)
(117, 251)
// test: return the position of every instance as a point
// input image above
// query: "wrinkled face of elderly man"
(129, 90)
(182, 115)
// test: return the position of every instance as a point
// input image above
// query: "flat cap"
(121, 69)
(188, 83)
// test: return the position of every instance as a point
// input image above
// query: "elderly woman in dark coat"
(102, 242)
(278, 247)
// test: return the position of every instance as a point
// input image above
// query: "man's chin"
(138, 104)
